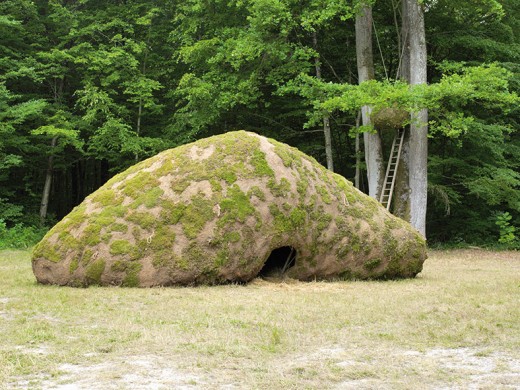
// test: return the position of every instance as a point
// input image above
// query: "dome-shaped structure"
(226, 209)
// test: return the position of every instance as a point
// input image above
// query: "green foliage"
(487, 85)
(61, 128)
(9, 211)
(506, 230)
(19, 236)
(115, 82)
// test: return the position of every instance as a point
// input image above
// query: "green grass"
(456, 324)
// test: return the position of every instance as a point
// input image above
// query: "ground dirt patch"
(455, 326)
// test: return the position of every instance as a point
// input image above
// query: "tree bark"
(373, 157)
(358, 154)
(401, 206)
(401, 198)
(47, 186)
(365, 65)
(326, 119)
(419, 120)
(404, 54)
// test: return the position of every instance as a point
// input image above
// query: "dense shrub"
(20, 236)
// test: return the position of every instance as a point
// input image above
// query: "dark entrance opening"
(278, 262)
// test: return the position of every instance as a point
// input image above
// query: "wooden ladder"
(391, 170)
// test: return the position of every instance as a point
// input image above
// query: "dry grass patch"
(457, 324)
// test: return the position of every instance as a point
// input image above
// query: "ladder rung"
(393, 163)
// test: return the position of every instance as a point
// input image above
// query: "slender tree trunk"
(419, 120)
(395, 8)
(58, 93)
(401, 202)
(373, 157)
(139, 115)
(365, 65)
(140, 106)
(47, 185)
(328, 143)
(401, 198)
(326, 119)
(403, 69)
(138, 125)
(358, 153)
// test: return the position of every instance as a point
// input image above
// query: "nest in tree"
(390, 118)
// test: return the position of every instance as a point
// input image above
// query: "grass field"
(457, 325)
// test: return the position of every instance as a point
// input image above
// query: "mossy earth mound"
(212, 212)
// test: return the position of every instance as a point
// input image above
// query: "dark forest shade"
(118, 82)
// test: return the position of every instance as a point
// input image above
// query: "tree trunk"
(47, 185)
(358, 154)
(328, 143)
(373, 157)
(419, 170)
(139, 115)
(419, 120)
(401, 198)
(140, 106)
(326, 119)
(365, 65)
(404, 54)
(401, 206)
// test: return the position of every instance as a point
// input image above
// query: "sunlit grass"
(439, 329)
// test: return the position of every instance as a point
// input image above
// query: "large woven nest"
(390, 118)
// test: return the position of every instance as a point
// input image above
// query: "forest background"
(90, 87)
